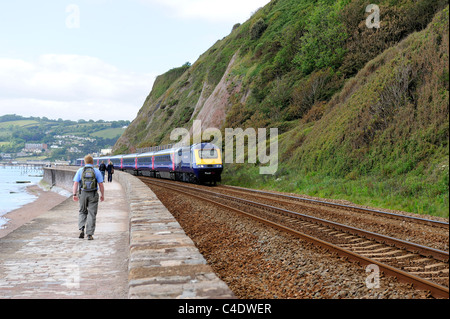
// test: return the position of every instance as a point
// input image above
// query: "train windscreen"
(205, 154)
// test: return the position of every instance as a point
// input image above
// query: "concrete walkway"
(45, 258)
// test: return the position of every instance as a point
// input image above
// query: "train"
(199, 163)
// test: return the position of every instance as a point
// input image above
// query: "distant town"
(40, 140)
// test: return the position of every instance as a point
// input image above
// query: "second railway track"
(422, 231)
(424, 267)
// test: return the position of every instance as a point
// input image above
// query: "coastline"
(46, 200)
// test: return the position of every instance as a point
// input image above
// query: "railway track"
(424, 267)
(423, 231)
(284, 198)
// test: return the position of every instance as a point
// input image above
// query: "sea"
(14, 181)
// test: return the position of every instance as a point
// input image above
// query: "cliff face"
(290, 57)
(349, 101)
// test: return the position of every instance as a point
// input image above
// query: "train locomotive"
(198, 163)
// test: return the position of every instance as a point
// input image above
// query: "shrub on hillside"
(257, 29)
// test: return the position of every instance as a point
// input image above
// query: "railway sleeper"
(372, 255)
(427, 268)
(340, 235)
(436, 266)
(335, 232)
(406, 256)
(423, 260)
(358, 244)
(368, 247)
(356, 239)
(381, 249)
(429, 274)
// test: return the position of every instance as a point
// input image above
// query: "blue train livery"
(198, 163)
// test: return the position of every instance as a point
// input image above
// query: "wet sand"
(46, 200)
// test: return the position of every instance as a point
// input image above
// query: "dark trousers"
(88, 211)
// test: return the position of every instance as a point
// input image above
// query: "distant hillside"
(363, 113)
(16, 131)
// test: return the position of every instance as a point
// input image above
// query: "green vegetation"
(109, 133)
(362, 113)
(19, 123)
(383, 140)
(16, 131)
(410, 196)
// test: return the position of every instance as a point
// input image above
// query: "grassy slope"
(351, 128)
(383, 140)
(20, 123)
(108, 133)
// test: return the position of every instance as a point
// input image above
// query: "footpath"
(139, 250)
(45, 258)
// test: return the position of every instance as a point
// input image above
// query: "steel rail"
(420, 220)
(395, 242)
(435, 290)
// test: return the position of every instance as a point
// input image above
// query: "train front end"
(208, 165)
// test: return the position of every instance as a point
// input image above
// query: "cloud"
(212, 10)
(71, 87)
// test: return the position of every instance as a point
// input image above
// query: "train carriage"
(129, 163)
(164, 164)
(198, 163)
(146, 164)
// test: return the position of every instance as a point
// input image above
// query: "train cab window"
(205, 154)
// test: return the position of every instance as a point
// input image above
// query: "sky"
(98, 59)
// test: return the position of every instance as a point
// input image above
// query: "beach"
(45, 201)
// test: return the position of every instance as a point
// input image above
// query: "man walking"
(87, 181)
(102, 169)
(110, 170)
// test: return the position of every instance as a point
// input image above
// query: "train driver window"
(210, 153)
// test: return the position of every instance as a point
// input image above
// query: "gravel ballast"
(259, 262)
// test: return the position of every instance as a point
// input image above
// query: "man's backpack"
(88, 180)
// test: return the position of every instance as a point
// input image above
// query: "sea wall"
(163, 261)
(59, 177)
